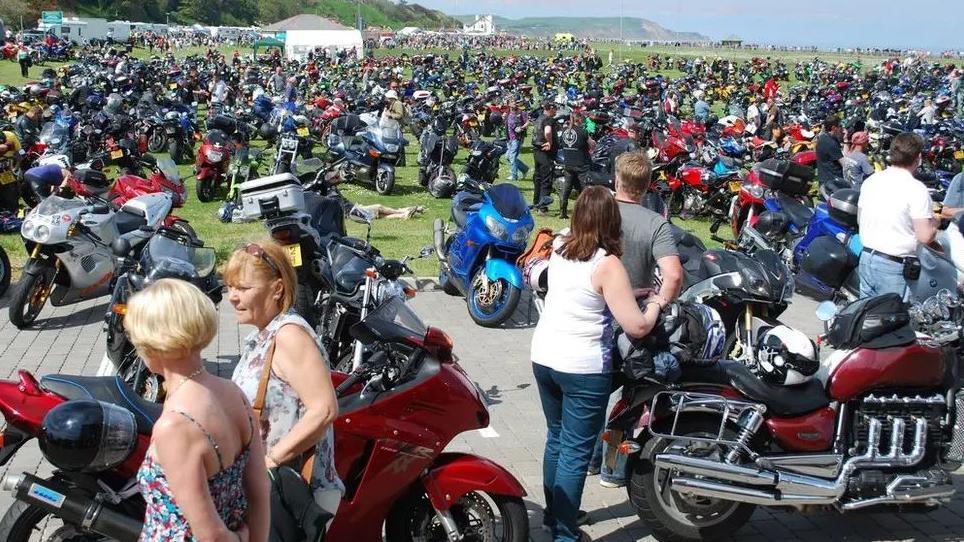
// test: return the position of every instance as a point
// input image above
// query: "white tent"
(298, 43)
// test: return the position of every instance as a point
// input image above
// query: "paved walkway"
(70, 340)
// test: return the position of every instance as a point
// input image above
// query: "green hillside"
(633, 28)
(233, 12)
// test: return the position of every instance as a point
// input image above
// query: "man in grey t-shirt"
(954, 197)
(648, 242)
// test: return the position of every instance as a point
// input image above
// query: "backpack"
(540, 249)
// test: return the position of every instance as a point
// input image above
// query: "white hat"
(391, 95)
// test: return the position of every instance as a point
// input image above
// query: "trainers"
(611, 484)
(582, 518)
(592, 470)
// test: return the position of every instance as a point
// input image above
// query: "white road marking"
(488, 432)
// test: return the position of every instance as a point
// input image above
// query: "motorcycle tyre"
(384, 180)
(641, 489)
(21, 294)
(185, 227)
(409, 512)
(205, 190)
(118, 346)
(502, 314)
(303, 306)
(174, 149)
(21, 520)
(4, 271)
(156, 141)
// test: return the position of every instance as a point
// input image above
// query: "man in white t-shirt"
(896, 216)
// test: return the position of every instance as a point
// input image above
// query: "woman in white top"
(572, 349)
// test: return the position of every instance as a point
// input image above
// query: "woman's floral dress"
(282, 407)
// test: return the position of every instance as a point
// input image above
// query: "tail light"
(142, 143)
(287, 235)
(438, 344)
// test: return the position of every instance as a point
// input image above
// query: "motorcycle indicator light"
(438, 344)
(119, 308)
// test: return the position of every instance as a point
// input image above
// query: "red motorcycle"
(748, 204)
(397, 413)
(211, 164)
(883, 434)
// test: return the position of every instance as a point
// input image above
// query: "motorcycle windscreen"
(508, 201)
(393, 321)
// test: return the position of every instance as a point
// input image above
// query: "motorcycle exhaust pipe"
(439, 239)
(784, 482)
(716, 490)
(77, 508)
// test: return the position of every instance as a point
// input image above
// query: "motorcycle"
(438, 153)
(359, 152)
(68, 241)
(428, 495)
(477, 258)
(168, 254)
(883, 433)
(211, 164)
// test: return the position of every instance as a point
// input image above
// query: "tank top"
(575, 330)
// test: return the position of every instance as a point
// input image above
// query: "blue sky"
(932, 24)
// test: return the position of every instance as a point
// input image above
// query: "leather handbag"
(295, 516)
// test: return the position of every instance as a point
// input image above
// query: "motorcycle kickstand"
(449, 525)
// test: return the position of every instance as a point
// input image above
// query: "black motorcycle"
(435, 161)
(482, 164)
(168, 254)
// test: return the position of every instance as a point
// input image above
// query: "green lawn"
(395, 238)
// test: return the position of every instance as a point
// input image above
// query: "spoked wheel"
(491, 302)
(27, 523)
(384, 181)
(146, 384)
(156, 141)
(30, 296)
(479, 517)
(678, 517)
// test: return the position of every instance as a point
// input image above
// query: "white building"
(483, 26)
(305, 33)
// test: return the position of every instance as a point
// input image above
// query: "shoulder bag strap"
(258, 404)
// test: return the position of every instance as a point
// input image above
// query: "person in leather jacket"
(27, 127)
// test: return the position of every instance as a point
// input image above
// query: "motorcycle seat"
(128, 221)
(784, 401)
(798, 213)
(109, 389)
(464, 204)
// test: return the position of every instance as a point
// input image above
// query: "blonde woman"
(299, 401)
(204, 477)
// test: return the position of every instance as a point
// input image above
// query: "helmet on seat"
(786, 356)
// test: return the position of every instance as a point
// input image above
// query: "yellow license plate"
(735, 186)
(294, 254)
(302, 132)
(7, 177)
(172, 86)
(959, 155)
(116, 155)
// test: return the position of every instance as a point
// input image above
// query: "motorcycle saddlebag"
(843, 207)
(873, 322)
(785, 176)
(271, 196)
(828, 260)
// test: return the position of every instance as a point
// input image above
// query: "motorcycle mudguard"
(206, 173)
(453, 475)
(496, 269)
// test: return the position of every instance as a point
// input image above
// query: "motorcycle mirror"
(427, 251)
(121, 247)
(360, 216)
(826, 311)
(99, 209)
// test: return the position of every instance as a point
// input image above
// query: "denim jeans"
(878, 276)
(575, 410)
(515, 165)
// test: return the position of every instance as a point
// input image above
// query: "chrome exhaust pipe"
(726, 492)
(439, 239)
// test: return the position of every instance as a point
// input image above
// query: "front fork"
(366, 299)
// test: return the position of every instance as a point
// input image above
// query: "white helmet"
(786, 356)
(391, 95)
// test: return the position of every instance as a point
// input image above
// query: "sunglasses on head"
(258, 251)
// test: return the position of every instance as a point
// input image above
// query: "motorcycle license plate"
(735, 186)
(302, 132)
(294, 254)
(116, 155)
(172, 86)
(6, 177)
(959, 155)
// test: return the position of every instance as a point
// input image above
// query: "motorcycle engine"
(884, 407)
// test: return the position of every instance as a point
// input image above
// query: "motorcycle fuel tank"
(865, 369)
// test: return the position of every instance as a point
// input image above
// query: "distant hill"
(634, 28)
(383, 13)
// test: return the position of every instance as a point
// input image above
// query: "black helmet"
(87, 436)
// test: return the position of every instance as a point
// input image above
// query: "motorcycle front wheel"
(4, 271)
(30, 295)
(491, 302)
(156, 140)
(205, 190)
(479, 516)
(384, 180)
(26, 523)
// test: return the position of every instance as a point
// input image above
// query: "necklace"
(191, 376)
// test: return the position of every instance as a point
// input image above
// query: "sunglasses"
(257, 251)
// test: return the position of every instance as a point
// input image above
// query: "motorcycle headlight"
(497, 229)
(521, 235)
(213, 156)
(27, 230)
(391, 148)
(755, 190)
(389, 289)
(41, 234)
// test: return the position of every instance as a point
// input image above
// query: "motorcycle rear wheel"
(22, 521)
(414, 519)
(673, 517)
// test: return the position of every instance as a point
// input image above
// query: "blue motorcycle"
(477, 260)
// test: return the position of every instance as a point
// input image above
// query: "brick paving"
(71, 340)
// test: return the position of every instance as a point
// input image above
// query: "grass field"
(395, 238)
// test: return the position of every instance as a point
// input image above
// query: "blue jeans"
(515, 165)
(879, 276)
(575, 410)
